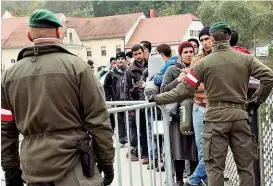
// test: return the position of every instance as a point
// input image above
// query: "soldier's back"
(226, 76)
(44, 93)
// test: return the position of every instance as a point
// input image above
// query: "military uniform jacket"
(48, 96)
(225, 74)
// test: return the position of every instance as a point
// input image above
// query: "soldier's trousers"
(217, 137)
(75, 177)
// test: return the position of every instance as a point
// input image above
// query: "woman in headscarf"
(182, 147)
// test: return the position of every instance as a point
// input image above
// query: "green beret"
(44, 19)
(220, 26)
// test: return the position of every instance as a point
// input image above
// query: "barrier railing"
(156, 128)
(266, 142)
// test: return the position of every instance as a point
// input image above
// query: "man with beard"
(134, 90)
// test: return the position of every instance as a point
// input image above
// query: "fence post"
(253, 114)
(261, 147)
(168, 159)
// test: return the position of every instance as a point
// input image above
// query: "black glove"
(13, 178)
(108, 171)
(151, 98)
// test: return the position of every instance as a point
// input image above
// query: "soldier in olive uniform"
(54, 100)
(225, 74)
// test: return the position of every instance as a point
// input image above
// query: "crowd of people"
(125, 81)
(53, 99)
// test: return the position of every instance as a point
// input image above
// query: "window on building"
(103, 50)
(89, 51)
(173, 52)
(12, 61)
(70, 37)
(194, 33)
(191, 33)
(3, 67)
(100, 68)
(118, 48)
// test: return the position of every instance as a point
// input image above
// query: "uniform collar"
(47, 40)
(221, 46)
(37, 50)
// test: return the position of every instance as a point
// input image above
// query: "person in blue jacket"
(165, 51)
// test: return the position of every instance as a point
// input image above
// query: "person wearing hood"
(182, 147)
(114, 91)
(166, 53)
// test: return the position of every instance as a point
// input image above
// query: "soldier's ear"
(212, 37)
(58, 33)
(29, 36)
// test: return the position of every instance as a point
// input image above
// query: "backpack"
(154, 65)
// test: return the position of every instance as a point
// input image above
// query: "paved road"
(159, 180)
(148, 176)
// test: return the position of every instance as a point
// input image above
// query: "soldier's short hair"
(165, 49)
(221, 36)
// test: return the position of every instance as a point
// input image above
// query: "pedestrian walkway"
(126, 173)
(136, 176)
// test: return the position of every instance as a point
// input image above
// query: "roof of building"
(9, 25)
(162, 30)
(14, 30)
(103, 27)
(3, 12)
(18, 37)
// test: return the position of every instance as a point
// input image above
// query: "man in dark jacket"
(114, 91)
(134, 90)
(54, 100)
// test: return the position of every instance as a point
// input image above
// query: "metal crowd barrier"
(136, 174)
(266, 142)
(159, 126)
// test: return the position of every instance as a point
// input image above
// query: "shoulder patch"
(6, 115)
(191, 78)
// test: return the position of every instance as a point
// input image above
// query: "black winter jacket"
(114, 85)
(134, 76)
